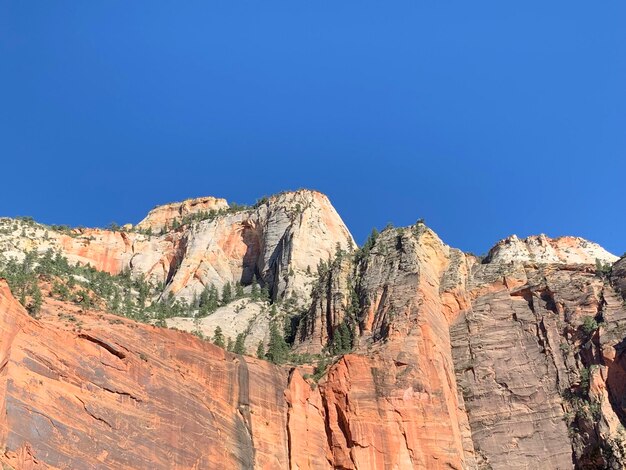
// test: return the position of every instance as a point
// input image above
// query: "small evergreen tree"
(603, 269)
(218, 337)
(240, 347)
(260, 351)
(343, 338)
(84, 299)
(213, 298)
(239, 291)
(128, 302)
(61, 290)
(273, 311)
(254, 289)
(368, 245)
(265, 293)
(277, 349)
(35, 305)
(227, 294)
(589, 325)
(204, 298)
(208, 301)
(144, 290)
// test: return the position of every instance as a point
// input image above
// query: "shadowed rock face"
(514, 363)
(618, 276)
(511, 369)
(521, 354)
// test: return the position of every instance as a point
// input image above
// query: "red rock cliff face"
(394, 407)
(514, 363)
(87, 390)
(394, 404)
(499, 350)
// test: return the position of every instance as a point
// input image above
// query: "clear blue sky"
(484, 118)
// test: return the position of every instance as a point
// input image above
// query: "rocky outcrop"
(515, 362)
(511, 369)
(618, 276)
(241, 317)
(511, 329)
(409, 285)
(332, 296)
(280, 242)
(307, 424)
(162, 217)
(541, 249)
(526, 353)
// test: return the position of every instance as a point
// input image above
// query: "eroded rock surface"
(406, 412)
(531, 388)
(163, 216)
(89, 390)
(515, 362)
(542, 249)
(279, 242)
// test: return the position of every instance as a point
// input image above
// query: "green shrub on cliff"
(589, 325)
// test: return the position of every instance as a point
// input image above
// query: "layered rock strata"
(279, 242)
(513, 362)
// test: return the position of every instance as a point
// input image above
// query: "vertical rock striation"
(279, 241)
(517, 361)
(394, 403)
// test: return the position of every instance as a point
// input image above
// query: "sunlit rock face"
(511, 362)
(280, 242)
(542, 249)
(162, 217)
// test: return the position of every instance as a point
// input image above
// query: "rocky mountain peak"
(190, 245)
(543, 249)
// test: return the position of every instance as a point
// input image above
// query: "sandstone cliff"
(85, 390)
(541, 249)
(164, 216)
(525, 348)
(278, 241)
(431, 358)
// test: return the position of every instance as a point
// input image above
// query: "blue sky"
(483, 118)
